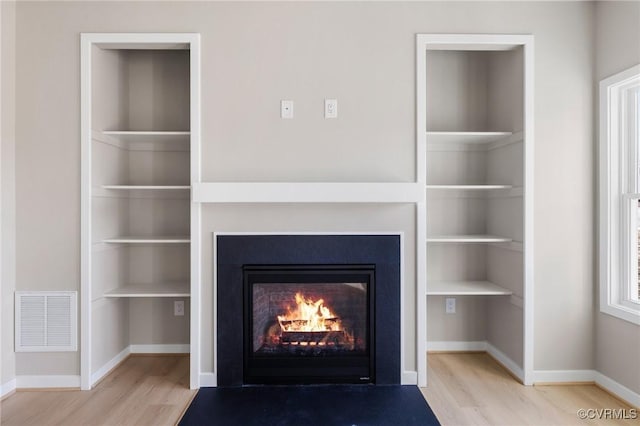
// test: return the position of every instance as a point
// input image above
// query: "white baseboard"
(447, 346)
(7, 388)
(588, 376)
(160, 349)
(506, 362)
(563, 376)
(48, 381)
(137, 349)
(409, 377)
(618, 389)
(110, 365)
(208, 380)
(462, 346)
(51, 381)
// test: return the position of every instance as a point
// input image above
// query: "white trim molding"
(208, 380)
(455, 346)
(615, 184)
(8, 388)
(160, 349)
(409, 377)
(421, 291)
(563, 376)
(110, 365)
(48, 381)
(542, 377)
(86, 134)
(196, 214)
(618, 389)
(507, 362)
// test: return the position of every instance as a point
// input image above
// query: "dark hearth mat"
(357, 405)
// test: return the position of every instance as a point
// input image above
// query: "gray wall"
(253, 55)
(617, 48)
(8, 190)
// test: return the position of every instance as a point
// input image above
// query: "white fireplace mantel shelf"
(308, 192)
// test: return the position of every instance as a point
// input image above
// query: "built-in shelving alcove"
(475, 127)
(140, 128)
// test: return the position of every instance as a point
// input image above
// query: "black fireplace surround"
(358, 276)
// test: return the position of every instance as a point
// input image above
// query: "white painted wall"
(617, 48)
(362, 53)
(8, 193)
(563, 199)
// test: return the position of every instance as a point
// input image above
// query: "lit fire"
(309, 316)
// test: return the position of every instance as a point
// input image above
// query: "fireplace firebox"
(308, 309)
(308, 324)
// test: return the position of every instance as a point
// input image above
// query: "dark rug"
(310, 405)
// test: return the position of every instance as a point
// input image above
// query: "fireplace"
(306, 309)
(308, 324)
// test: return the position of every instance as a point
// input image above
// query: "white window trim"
(616, 191)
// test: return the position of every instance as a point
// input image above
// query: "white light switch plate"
(330, 108)
(286, 109)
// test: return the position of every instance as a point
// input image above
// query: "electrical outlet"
(450, 305)
(178, 308)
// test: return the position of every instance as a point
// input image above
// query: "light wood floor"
(143, 390)
(464, 389)
(472, 389)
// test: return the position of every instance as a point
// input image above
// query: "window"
(620, 195)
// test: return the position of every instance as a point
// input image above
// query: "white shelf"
(467, 239)
(148, 136)
(146, 187)
(465, 288)
(151, 290)
(465, 137)
(468, 187)
(130, 140)
(308, 192)
(148, 240)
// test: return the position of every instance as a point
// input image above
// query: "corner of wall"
(7, 193)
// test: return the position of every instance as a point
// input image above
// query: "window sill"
(622, 312)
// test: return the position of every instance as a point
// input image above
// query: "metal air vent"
(46, 321)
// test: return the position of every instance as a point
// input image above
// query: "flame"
(310, 315)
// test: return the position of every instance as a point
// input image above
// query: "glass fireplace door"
(310, 324)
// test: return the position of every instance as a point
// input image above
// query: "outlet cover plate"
(178, 308)
(450, 305)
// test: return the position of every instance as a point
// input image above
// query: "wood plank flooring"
(143, 390)
(472, 389)
(464, 389)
